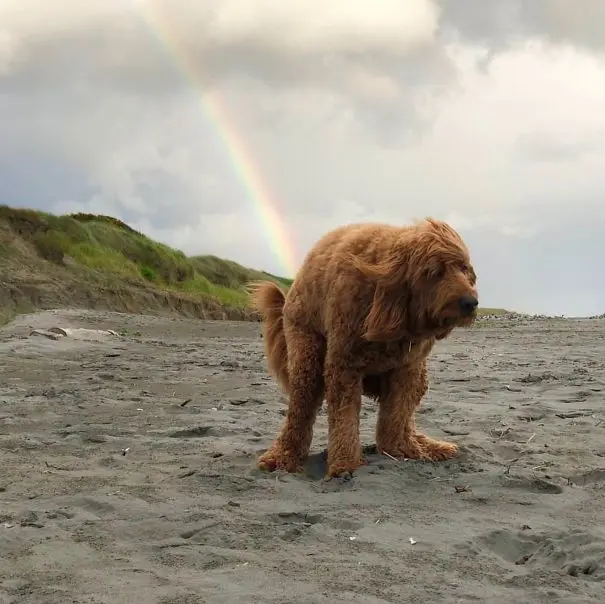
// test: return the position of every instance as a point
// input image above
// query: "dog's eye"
(436, 272)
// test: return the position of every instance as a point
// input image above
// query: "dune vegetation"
(100, 258)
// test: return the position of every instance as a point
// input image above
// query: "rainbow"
(244, 167)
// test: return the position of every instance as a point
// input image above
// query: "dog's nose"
(468, 304)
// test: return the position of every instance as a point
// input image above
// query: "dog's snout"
(468, 304)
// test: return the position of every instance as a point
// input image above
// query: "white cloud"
(314, 27)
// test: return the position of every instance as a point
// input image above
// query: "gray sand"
(128, 473)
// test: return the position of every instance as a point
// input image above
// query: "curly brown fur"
(361, 317)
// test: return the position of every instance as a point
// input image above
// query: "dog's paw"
(420, 448)
(344, 469)
(437, 450)
(409, 449)
(275, 459)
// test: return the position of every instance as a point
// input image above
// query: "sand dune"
(128, 472)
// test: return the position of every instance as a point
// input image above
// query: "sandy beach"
(128, 472)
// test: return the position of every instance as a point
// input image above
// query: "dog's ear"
(387, 273)
(387, 318)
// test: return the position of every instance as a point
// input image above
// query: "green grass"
(106, 245)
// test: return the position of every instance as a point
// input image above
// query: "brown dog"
(362, 316)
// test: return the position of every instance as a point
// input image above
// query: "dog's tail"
(268, 299)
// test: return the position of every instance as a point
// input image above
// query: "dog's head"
(425, 285)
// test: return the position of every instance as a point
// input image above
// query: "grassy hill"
(93, 261)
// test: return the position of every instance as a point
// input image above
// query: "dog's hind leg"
(396, 432)
(306, 353)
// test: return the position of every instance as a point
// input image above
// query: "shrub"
(148, 273)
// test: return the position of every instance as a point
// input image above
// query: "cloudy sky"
(178, 115)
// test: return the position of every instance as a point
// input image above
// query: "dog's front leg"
(396, 432)
(343, 398)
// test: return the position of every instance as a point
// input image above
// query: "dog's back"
(328, 289)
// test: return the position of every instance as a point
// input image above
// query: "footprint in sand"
(576, 553)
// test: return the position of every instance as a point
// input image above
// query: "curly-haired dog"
(362, 316)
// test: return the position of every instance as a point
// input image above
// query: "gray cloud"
(383, 63)
(485, 113)
(546, 147)
(139, 45)
(500, 24)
